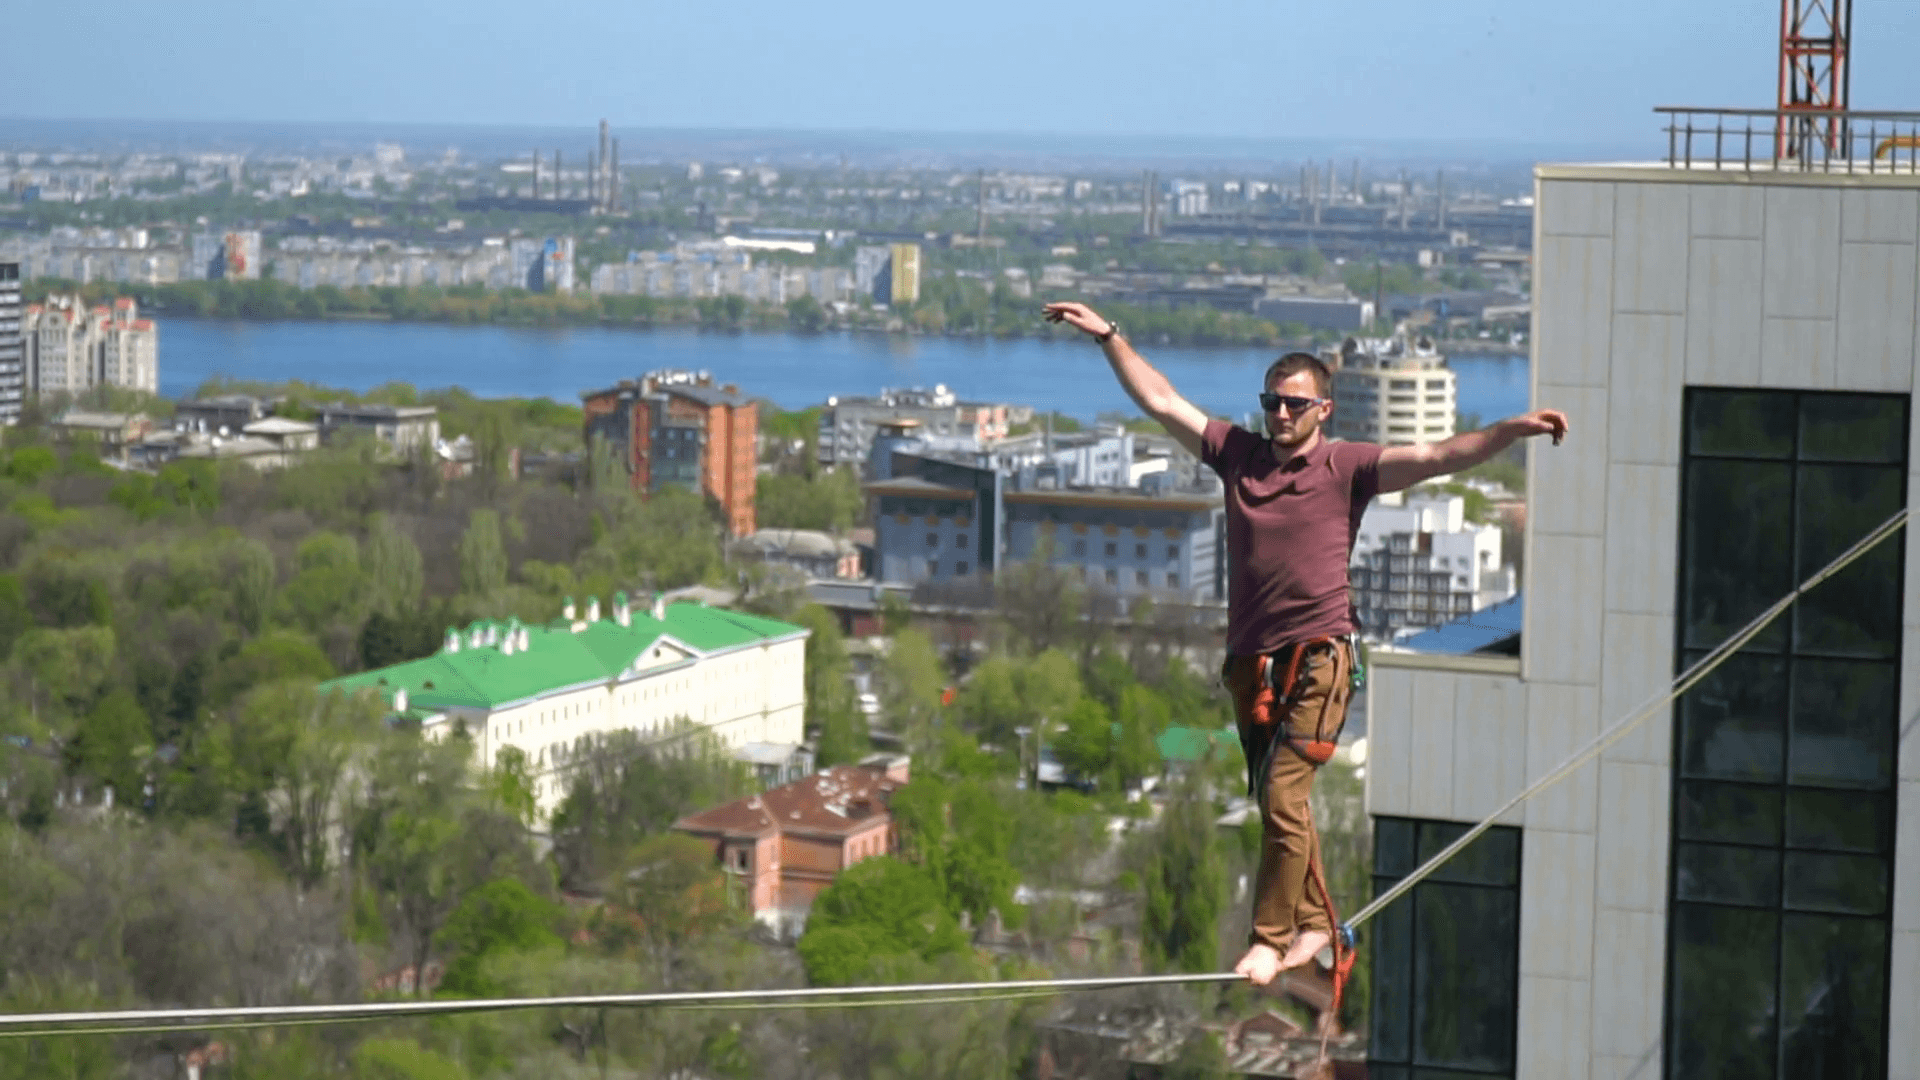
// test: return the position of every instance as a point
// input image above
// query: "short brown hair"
(1296, 362)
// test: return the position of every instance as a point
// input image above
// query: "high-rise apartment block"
(70, 349)
(542, 264)
(889, 273)
(678, 427)
(1394, 391)
(231, 256)
(13, 360)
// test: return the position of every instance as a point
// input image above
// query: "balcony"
(1792, 140)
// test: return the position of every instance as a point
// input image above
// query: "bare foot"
(1259, 965)
(1306, 946)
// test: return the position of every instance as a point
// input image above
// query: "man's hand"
(1401, 467)
(1080, 317)
(1541, 422)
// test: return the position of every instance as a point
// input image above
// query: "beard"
(1301, 433)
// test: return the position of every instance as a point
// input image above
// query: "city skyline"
(1575, 74)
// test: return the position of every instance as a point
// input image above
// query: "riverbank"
(964, 315)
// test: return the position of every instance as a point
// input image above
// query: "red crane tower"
(1814, 35)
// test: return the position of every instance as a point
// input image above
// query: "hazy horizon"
(858, 146)
(1575, 75)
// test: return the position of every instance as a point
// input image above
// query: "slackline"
(132, 1021)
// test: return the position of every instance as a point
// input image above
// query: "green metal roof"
(484, 676)
(1192, 744)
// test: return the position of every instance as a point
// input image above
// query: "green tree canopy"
(498, 916)
(878, 910)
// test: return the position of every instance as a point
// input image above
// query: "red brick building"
(677, 427)
(786, 845)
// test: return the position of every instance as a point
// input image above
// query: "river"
(793, 371)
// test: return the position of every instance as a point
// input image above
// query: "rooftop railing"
(1792, 140)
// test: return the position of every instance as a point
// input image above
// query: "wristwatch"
(1112, 329)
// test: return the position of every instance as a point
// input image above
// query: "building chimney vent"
(453, 640)
(660, 607)
(593, 609)
(400, 700)
(622, 612)
(566, 610)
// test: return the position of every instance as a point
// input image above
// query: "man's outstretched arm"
(1404, 466)
(1144, 384)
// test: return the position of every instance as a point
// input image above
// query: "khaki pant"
(1287, 899)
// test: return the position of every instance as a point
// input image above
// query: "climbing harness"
(1279, 681)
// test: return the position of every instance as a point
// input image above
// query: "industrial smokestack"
(613, 180)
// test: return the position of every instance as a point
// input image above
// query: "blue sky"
(1550, 70)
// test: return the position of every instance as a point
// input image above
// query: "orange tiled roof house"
(787, 844)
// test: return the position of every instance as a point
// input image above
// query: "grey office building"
(13, 371)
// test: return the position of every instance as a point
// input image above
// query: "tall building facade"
(69, 349)
(543, 264)
(889, 273)
(678, 427)
(1394, 391)
(1731, 889)
(13, 350)
(236, 255)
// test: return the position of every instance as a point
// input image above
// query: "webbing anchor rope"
(1701, 669)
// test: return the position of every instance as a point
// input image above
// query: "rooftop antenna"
(1815, 39)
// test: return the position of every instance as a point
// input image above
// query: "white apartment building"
(1418, 563)
(1732, 890)
(1395, 391)
(541, 688)
(693, 270)
(69, 349)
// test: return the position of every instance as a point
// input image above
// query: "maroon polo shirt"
(1290, 532)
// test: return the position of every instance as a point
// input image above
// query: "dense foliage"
(161, 637)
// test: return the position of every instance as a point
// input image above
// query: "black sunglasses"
(1294, 405)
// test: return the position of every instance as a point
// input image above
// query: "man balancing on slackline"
(1294, 501)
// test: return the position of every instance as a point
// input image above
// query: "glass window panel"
(1856, 613)
(1727, 875)
(1392, 947)
(1843, 884)
(1844, 717)
(1853, 427)
(1393, 847)
(1833, 977)
(1840, 821)
(1738, 549)
(1733, 722)
(1741, 423)
(1464, 985)
(1492, 859)
(1722, 993)
(1733, 813)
